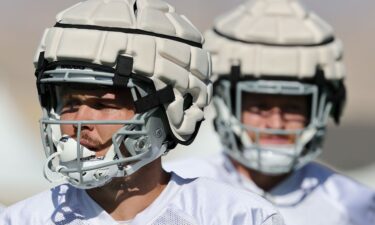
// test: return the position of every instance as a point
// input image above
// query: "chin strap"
(47, 169)
(307, 135)
(66, 151)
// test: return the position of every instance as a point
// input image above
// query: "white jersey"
(2, 207)
(310, 196)
(184, 202)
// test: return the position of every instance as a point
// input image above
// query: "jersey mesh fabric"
(66, 216)
(171, 216)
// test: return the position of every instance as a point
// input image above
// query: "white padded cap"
(164, 45)
(276, 38)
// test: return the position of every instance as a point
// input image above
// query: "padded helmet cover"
(275, 38)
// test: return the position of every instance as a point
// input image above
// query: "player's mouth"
(277, 139)
(92, 145)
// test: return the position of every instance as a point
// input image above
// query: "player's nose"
(275, 119)
(84, 113)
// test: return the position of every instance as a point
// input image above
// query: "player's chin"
(100, 152)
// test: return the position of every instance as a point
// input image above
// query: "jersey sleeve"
(4, 218)
(1, 208)
(361, 206)
(357, 200)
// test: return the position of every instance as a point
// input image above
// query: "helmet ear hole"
(336, 92)
(135, 8)
(188, 101)
(339, 103)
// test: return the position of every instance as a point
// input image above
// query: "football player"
(121, 82)
(279, 78)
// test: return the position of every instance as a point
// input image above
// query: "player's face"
(96, 105)
(274, 112)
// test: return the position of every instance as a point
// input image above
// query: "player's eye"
(292, 108)
(70, 106)
(254, 109)
(263, 106)
(104, 106)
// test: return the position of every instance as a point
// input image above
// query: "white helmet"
(142, 45)
(275, 47)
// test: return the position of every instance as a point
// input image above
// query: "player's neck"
(263, 181)
(124, 198)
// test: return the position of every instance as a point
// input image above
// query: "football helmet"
(142, 45)
(275, 47)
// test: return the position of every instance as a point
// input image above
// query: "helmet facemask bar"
(133, 145)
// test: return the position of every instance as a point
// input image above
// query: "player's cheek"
(251, 119)
(67, 129)
(294, 125)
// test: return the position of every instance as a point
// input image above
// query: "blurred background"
(348, 148)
